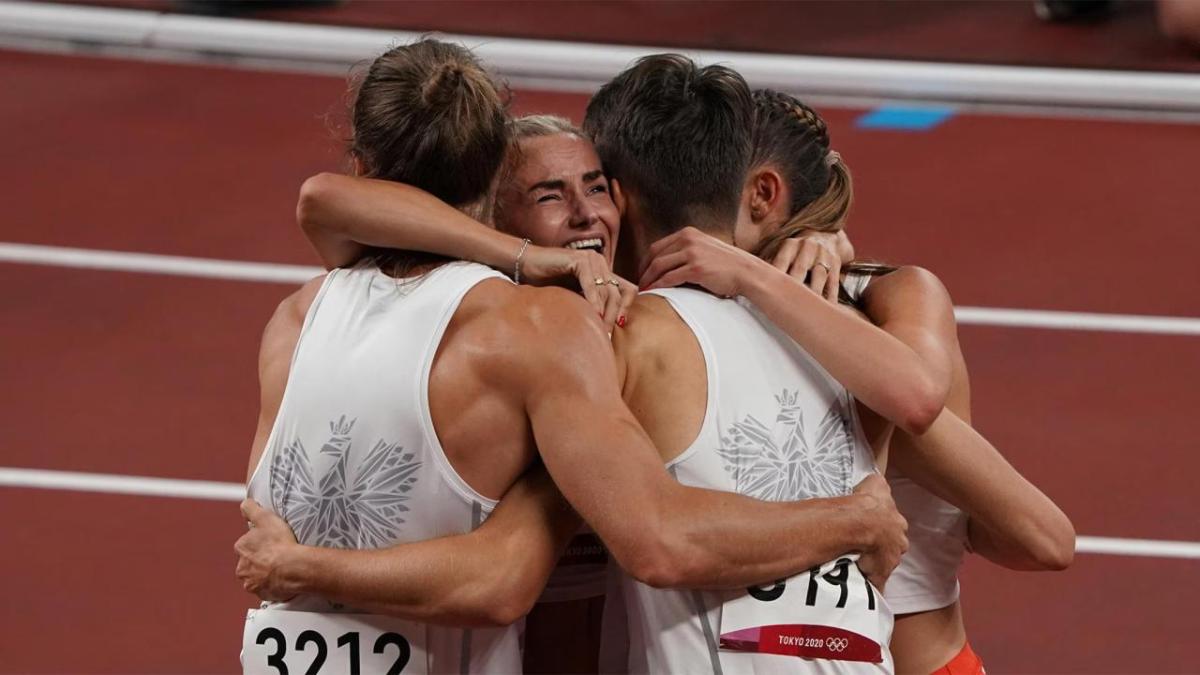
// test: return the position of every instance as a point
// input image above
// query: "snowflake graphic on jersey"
(339, 510)
(784, 462)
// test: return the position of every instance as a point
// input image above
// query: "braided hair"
(792, 138)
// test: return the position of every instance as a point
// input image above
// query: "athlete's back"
(355, 458)
(734, 404)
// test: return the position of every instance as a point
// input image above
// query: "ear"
(618, 196)
(766, 192)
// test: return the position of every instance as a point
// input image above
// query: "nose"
(584, 214)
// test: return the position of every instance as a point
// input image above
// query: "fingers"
(628, 295)
(835, 279)
(660, 265)
(251, 510)
(590, 266)
(669, 242)
(673, 278)
(788, 251)
(804, 260)
(612, 305)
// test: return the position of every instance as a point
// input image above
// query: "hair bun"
(443, 83)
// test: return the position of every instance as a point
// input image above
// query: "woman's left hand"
(261, 552)
(816, 258)
(690, 256)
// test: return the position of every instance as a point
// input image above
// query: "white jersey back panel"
(353, 460)
(927, 577)
(777, 427)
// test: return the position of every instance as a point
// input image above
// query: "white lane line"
(121, 261)
(1056, 320)
(1153, 548)
(120, 484)
(31, 254)
(575, 66)
(235, 492)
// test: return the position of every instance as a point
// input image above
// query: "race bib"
(831, 612)
(282, 642)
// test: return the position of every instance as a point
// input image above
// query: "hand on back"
(609, 294)
(816, 259)
(262, 551)
(889, 527)
(693, 257)
(690, 256)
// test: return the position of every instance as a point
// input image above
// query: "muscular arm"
(663, 533)
(881, 371)
(343, 215)
(491, 576)
(1012, 522)
(900, 372)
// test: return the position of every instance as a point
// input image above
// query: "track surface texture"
(128, 373)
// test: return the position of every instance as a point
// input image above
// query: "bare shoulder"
(283, 328)
(531, 313)
(514, 330)
(655, 343)
(909, 284)
(652, 324)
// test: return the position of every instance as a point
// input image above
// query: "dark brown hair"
(792, 138)
(678, 136)
(427, 114)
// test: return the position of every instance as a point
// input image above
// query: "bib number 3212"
(831, 612)
(281, 642)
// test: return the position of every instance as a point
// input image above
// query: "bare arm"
(1012, 522)
(498, 569)
(343, 215)
(663, 533)
(491, 576)
(881, 371)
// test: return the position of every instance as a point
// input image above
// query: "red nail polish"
(621, 321)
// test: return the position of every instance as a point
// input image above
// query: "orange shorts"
(965, 663)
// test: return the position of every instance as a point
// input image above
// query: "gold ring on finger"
(599, 281)
(614, 282)
(827, 267)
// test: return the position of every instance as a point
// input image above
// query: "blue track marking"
(902, 118)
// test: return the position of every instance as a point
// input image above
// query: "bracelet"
(517, 266)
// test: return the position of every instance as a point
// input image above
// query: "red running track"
(154, 375)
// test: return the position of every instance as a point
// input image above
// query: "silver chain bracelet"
(517, 267)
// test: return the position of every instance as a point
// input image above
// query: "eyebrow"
(560, 184)
(557, 184)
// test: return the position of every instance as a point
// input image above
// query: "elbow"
(504, 610)
(1055, 548)
(661, 552)
(920, 408)
(493, 603)
(661, 563)
(314, 194)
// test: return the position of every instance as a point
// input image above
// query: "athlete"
(381, 384)
(794, 192)
(554, 193)
(956, 490)
(751, 412)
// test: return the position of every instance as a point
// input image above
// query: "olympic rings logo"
(836, 644)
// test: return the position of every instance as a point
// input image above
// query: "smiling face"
(557, 195)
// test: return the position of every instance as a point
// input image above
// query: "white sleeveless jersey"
(777, 427)
(353, 460)
(927, 577)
